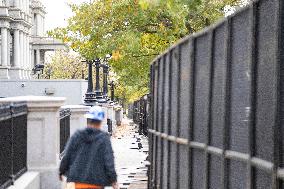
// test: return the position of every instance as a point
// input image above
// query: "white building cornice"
(5, 22)
(38, 7)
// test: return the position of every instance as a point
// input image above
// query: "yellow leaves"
(116, 55)
(144, 4)
(162, 27)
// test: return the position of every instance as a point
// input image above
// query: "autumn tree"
(134, 32)
(65, 65)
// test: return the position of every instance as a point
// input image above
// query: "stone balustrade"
(42, 139)
(43, 132)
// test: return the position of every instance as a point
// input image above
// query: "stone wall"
(73, 90)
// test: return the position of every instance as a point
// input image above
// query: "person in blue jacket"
(88, 159)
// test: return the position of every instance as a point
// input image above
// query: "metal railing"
(110, 126)
(64, 128)
(130, 112)
(141, 114)
(218, 102)
(13, 140)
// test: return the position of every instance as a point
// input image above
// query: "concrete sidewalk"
(131, 151)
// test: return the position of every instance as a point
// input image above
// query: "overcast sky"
(57, 12)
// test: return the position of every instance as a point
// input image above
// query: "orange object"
(87, 186)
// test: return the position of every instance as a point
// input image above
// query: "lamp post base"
(90, 99)
(95, 98)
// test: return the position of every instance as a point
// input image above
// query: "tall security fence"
(13, 140)
(130, 111)
(217, 114)
(141, 114)
(64, 128)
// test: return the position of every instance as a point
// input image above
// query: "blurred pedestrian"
(88, 159)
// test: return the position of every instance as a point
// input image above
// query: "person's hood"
(89, 135)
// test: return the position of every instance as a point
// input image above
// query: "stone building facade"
(23, 41)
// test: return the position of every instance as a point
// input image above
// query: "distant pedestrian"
(88, 159)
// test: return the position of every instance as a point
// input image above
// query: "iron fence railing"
(130, 112)
(110, 126)
(217, 110)
(13, 140)
(141, 114)
(64, 128)
(136, 113)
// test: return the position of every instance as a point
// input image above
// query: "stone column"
(25, 6)
(43, 25)
(43, 137)
(26, 54)
(4, 55)
(4, 46)
(21, 49)
(28, 6)
(20, 4)
(77, 119)
(24, 51)
(37, 24)
(17, 3)
(16, 69)
(16, 48)
(9, 48)
(29, 64)
(37, 57)
(21, 54)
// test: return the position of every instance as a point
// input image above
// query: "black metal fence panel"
(184, 110)
(217, 105)
(19, 118)
(218, 99)
(13, 139)
(140, 109)
(64, 128)
(110, 126)
(6, 145)
(130, 112)
(151, 137)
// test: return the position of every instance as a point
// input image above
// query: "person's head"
(94, 123)
(95, 117)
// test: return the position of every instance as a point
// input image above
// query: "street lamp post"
(112, 90)
(90, 95)
(98, 86)
(105, 80)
